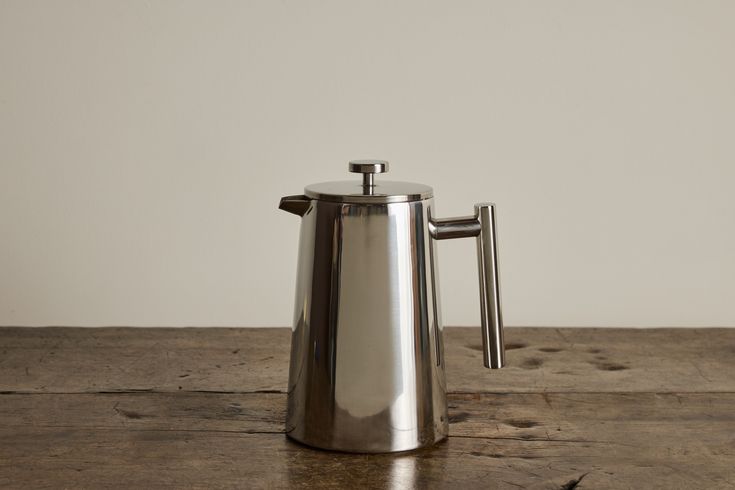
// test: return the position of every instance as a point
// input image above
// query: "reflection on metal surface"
(366, 371)
(364, 376)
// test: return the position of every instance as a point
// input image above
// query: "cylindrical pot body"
(366, 372)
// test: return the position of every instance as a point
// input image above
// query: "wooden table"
(204, 408)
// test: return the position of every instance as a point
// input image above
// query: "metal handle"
(482, 226)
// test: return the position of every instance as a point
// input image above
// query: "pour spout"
(297, 205)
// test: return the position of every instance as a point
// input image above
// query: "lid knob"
(368, 168)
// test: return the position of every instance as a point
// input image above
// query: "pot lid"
(370, 190)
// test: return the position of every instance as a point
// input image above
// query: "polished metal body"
(367, 368)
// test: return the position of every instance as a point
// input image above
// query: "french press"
(367, 365)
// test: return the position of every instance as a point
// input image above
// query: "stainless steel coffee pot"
(367, 363)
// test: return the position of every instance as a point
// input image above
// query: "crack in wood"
(544, 394)
(699, 370)
(531, 439)
(132, 429)
(572, 484)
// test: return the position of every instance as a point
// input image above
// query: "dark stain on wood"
(130, 414)
(609, 366)
(486, 455)
(532, 363)
(508, 346)
(522, 424)
(458, 417)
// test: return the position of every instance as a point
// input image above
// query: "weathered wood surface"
(66, 360)
(497, 441)
(75, 418)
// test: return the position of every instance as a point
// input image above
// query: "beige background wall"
(144, 146)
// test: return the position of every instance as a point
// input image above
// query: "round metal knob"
(368, 166)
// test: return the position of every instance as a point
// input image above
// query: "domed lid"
(370, 190)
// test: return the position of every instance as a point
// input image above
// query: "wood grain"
(577, 408)
(77, 360)
(211, 440)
